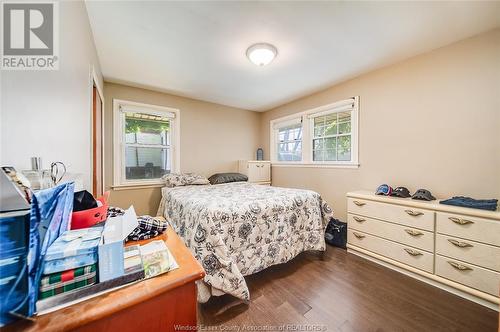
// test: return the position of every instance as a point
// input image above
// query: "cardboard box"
(111, 250)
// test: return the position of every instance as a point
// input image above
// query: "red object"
(90, 217)
(68, 275)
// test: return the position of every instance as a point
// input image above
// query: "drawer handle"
(460, 221)
(460, 244)
(413, 232)
(358, 203)
(413, 252)
(358, 219)
(460, 267)
(359, 236)
(414, 213)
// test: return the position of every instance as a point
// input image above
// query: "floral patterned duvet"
(238, 229)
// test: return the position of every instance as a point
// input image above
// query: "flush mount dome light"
(261, 54)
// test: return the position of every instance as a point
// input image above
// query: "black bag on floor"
(336, 233)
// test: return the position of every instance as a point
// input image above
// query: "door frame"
(94, 81)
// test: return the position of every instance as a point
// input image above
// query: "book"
(155, 258)
(132, 259)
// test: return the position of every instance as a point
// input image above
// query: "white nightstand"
(258, 171)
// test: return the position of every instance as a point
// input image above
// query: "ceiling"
(197, 49)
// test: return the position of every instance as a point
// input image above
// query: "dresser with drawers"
(258, 171)
(454, 248)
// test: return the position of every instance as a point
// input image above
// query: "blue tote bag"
(50, 216)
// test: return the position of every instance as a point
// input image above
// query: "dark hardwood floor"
(344, 292)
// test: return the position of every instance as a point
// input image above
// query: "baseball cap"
(424, 195)
(384, 189)
(401, 192)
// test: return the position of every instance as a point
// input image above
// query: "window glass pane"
(344, 116)
(344, 128)
(331, 129)
(318, 155)
(150, 138)
(130, 137)
(146, 129)
(325, 125)
(344, 122)
(331, 118)
(290, 133)
(331, 143)
(319, 121)
(319, 131)
(325, 149)
(344, 148)
(334, 129)
(318, 144)
(146, 163)
(290, 143)
(330, 155)
(290, 151)
(296, 133)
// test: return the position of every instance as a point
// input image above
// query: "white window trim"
(119, 181)
(307, 137)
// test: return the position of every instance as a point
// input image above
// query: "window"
(332, 137)
(146, 143)
(322, 136)
(289, 142)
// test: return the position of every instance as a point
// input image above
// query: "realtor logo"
(30, 36)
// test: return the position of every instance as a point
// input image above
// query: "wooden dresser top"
(107, 304)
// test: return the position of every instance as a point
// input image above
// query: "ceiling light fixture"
(262, 54)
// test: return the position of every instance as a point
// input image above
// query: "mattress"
(238, 229)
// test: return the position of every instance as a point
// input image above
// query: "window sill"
(136, 186)
(311, 165)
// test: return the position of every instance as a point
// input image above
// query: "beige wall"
(213, 139)
(47, 113)
(432, 122)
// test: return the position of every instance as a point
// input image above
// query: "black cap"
(424, 195)
(401, 192)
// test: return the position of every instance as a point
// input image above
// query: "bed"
(237, 229)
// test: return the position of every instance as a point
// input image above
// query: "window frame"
(307, 119)
(119, 144)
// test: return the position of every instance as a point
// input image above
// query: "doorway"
(97, 142)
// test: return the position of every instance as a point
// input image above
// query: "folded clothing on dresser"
(483, 204)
